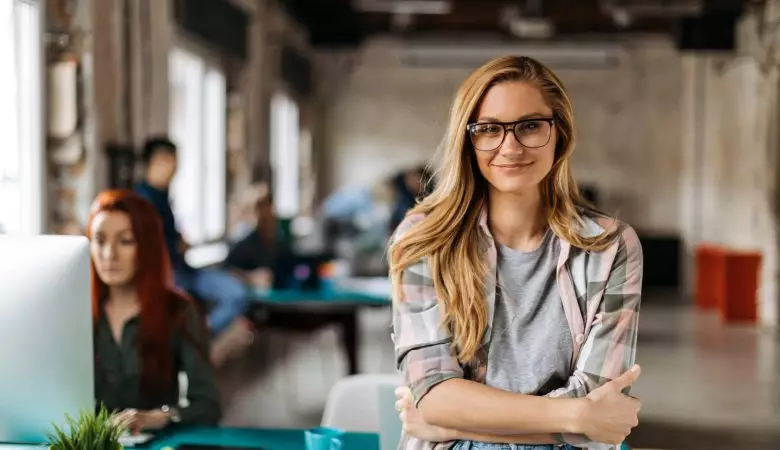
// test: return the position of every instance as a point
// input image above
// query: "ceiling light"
(402, 21)
(434, 7)
(531, 28)
(622, 18)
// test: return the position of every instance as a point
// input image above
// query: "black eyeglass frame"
(506, 125)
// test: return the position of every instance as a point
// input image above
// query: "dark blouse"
(118, 371)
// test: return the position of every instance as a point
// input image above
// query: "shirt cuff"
(423, 386)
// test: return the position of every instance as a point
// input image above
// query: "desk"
(349, 291)
(268, 439)
(310, 310)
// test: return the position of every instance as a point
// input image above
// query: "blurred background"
(335, 108)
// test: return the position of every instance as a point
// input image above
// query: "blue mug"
(323, 438)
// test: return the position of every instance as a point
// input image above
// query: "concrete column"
(257, 93)
(150, 42)
(692, 103)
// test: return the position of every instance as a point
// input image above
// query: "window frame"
(279, 188)
(211, 61)
(30, 70)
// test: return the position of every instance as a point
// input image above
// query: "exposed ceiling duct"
(653, 8)
(335, 23)
(624, 12)
(558, 55)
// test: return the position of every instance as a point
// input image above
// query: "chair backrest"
(365, 403)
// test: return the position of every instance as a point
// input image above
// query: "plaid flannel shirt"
(600, 293)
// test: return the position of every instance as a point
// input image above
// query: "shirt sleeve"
(204, 407)
(423, 348)
(610, 348)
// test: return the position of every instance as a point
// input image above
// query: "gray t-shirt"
(531, 346)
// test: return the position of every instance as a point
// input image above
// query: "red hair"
(162, 307)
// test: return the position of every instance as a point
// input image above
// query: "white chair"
(365, 404)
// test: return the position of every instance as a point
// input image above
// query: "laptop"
(299, 272)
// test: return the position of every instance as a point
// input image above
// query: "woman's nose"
(511, 144)
(109, 252)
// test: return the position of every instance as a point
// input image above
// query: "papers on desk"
(376, 286)
(23, 447)
(130, 440)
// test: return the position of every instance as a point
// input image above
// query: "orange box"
(710, 269)
(740, 302)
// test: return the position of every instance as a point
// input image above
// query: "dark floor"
(704, 386)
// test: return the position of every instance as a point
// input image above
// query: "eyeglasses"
(530, 133)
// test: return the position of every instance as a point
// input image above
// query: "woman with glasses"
(515, 303)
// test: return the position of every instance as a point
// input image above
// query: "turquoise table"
(267, 439)
(296, 310)
(325, 297)
(345, 291)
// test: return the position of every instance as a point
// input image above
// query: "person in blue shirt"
(224, 291)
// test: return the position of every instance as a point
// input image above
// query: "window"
(21, 158)
(197, 125)
(285, 155)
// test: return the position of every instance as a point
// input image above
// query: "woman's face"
(113, 248)
(514, 166)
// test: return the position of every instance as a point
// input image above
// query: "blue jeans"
(226, 292)
(472, 445)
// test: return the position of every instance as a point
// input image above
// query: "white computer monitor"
(46, 363)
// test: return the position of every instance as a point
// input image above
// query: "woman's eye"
(487, 129)
(530, 126)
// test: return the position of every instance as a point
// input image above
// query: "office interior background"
(324, 102)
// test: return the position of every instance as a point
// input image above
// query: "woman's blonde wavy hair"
(449, 236)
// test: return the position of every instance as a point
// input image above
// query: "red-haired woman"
(145, 331)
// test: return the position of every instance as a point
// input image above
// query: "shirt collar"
(154, 190)
(586, 228)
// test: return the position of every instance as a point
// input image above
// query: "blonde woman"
(515, 305)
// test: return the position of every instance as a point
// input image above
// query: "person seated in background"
(145, 331)
(242, 210)
(253, 257)
(226, 293)
(410, 185)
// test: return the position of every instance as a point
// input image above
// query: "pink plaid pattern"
(606, 285)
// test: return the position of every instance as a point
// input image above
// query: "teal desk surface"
(267, 439)
(369, 291)
(330, 296)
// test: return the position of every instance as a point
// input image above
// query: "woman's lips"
(512, 167)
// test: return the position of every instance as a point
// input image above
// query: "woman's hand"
(137, 421)
(414, 424)
(609, 415)
(261, 278)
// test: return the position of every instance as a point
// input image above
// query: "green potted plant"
(90, 431)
